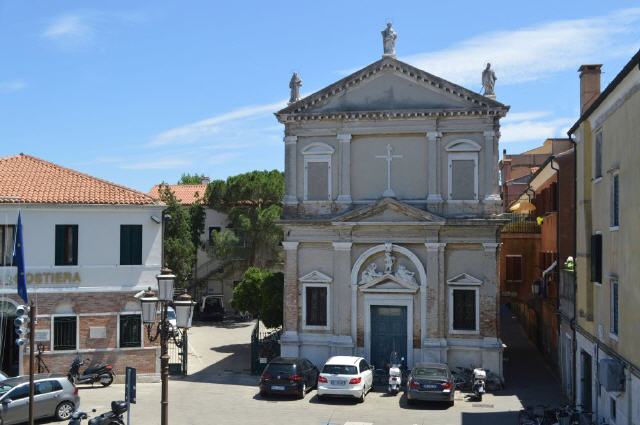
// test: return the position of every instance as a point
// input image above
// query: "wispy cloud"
(195, 131)
(156, 164)
(533, 126)
(72, 26)
(538, 51)
(11, 86)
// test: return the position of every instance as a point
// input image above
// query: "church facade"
(390, 219)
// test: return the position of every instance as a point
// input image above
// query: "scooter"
(479, 379)
(395, 373)
(100, 372)
(114, 417)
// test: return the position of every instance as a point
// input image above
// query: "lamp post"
(184, 311)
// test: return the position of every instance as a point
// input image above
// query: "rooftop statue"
(489, 81)
(295, 85)
(389, 36)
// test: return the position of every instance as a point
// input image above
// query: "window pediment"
(463, 145)
(318, 148)
(315, 277)
(464, 279)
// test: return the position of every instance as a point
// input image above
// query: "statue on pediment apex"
(389, 36)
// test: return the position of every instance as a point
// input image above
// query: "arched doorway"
(9, 353)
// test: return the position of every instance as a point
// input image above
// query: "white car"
(345, 376)
(3, 376)
(171, 318)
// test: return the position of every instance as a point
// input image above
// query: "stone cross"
(389, 193)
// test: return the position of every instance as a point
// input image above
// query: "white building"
(89, 245)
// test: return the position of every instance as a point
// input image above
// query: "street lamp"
(184, 311)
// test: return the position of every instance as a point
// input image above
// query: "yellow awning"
(523, 207)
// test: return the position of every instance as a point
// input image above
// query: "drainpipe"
(557, 200)
(574, 320)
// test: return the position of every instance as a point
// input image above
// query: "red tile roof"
(30, 180)
(186, 194)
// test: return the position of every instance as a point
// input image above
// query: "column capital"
(290, 246)
(435, 246)
(290, 139)
(342, 246)
(433, 136)
(344, 137)
(489, 134)
(490, 246)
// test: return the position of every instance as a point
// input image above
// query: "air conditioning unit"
(611, 375)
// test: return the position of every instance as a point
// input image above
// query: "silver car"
(54, 396)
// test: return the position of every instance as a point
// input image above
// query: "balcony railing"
(520, 223)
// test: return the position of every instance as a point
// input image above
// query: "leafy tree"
(261, 293)
(252, 202)
(187, 178)
(179, 249)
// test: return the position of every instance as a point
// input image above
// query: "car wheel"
(411, 402)
(303, 391)
(64, 411)
(361, 398)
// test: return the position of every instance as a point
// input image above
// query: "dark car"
(211, 308)
(430, 382)
(289, 375)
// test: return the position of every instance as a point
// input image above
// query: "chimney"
(205, 180)
(589, 85)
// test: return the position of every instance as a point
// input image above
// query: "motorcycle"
(395, 373)
(114, 417)
(479, 379)
(100, 372)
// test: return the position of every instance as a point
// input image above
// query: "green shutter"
(124, 245)
(75, 245)
(136, 244)
(60, 231)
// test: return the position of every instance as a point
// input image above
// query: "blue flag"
(18, 260)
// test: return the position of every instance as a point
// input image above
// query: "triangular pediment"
(464, 279)
(315, 277)
(389, 283)
(389, 210)
(392, 87)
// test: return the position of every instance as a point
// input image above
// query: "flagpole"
(32, 330)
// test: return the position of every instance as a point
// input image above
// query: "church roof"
(475, 103)
(375, 213)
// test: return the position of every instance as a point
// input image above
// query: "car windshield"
(171, 315)
(336, 369)
(430, 372)
(212, 302)
(5, 388)
(279, 368)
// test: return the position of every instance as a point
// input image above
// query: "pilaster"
(433, 167)
(341, 291)
(434, 345)
(290, 161)
(490, 300)
(291, 288)
(492, 190)
(344, 193)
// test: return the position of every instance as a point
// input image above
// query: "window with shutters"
(596, 258)
(7, 240)
(464, 310)
(514, 268)
(65, 333)
(614, 308)
(597, 172)
(316, 306)
(130, 330)
(66, 245)
(463, 176)
(615, 201)
(131, 244)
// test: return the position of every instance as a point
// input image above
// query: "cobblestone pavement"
(219, 393)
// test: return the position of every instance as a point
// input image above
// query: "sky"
(141, 92)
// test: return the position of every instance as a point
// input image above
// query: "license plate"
(338, 382)
(431, 387)
(277, 388)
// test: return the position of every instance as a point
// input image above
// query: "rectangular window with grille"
(614, 307)
(65, 330)
(316, 306)
(66, 244)
(514, 268)
(7, 240)
(464, 310)
(615, 201)
(596, 258)
(463, 175)
(598, 156)
(130, 330)
(131, 244)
